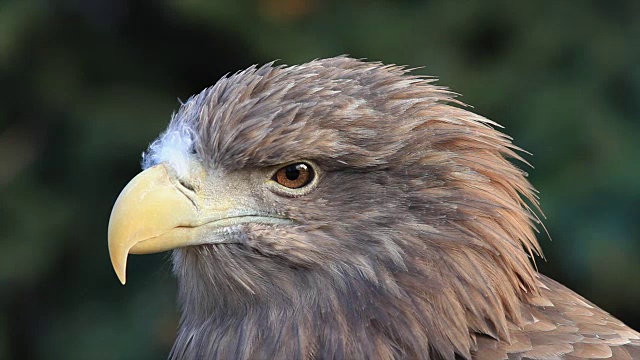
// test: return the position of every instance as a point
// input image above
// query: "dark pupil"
(293, 171)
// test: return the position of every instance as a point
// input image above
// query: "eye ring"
(310, 172)
(295, 175)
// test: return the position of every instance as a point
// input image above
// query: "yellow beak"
(154, 214)
(150, 215)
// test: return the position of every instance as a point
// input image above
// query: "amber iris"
(294, 176)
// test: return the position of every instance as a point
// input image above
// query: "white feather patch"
(173, 147)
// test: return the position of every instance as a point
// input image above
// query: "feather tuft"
(174, 147)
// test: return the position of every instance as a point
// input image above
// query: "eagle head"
(335, 209)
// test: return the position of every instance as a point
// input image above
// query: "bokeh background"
(86, 85)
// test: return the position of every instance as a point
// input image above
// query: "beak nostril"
(186, 185)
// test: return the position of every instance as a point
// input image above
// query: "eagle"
(345, 209)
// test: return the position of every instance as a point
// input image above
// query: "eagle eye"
(294, 176)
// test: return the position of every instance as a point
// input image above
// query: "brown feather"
(568, 325)
(417, 242)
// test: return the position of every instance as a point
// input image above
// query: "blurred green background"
(86, 85)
